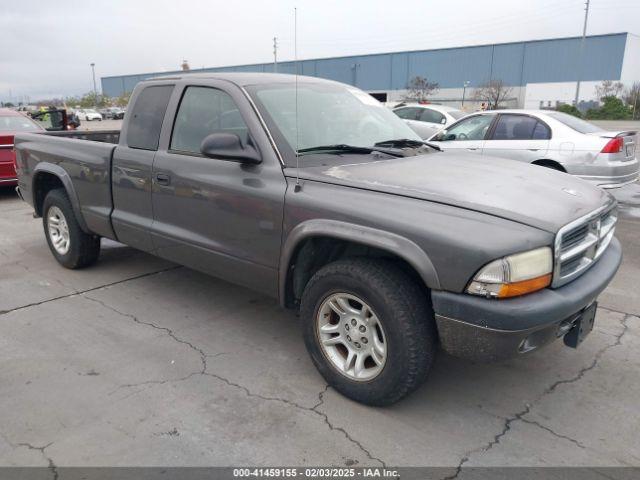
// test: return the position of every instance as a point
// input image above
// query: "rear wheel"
(369, 329)
(71, 247)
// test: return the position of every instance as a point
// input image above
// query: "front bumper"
(491, 330)
(8, 182)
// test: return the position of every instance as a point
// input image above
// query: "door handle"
(163, 179)
(473, 148)
(534, 149)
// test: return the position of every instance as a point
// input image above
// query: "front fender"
(59, 172)
(383, 240)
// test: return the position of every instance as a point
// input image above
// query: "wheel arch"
(314, 243)
(48, 176)
(545, 162)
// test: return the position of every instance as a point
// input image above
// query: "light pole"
(464, 90)
(275, 54)
(95, 91)
(581, 54)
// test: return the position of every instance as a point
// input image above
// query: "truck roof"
(243, 78)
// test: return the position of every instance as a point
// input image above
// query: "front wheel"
(369, 329)
(71, 247)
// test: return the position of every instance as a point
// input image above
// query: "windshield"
(576, 123)
(17, 123)
(329, 114)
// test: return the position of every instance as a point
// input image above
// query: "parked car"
(550, 139)
(88, 114)
(428, 119)
(11, 122)
(312, 192)
(112, 113)
(117, 113)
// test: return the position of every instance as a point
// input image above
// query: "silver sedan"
(548, 138)
(427, 119)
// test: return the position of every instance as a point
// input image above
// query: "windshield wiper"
(406, 142)
(344, 148)
(339, 147)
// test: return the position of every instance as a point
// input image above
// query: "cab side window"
(203, 111)
(146, 117)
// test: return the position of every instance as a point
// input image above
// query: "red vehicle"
(12, 122)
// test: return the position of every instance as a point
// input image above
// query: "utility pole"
(464, 90)
(581, 54)
(275, 54)
(95, 90)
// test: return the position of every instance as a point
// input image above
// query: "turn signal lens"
(514, 275)
(527, 286)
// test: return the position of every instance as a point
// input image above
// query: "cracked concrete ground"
(137, 361)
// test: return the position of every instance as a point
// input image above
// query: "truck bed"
(105, 136)
(82, 160)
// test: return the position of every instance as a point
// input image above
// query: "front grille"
(575, 236)
(580, 243)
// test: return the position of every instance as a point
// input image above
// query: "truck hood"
(528, 194)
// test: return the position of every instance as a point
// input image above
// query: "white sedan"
(428, 119)
(548, 138)
(88, 114)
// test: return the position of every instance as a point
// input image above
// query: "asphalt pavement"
(137, 361)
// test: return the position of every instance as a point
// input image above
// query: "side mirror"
(228, 146)
(440, 136)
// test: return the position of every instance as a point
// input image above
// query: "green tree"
(612, 108)
(632, 98)
(122, 100)
(570, 109)
(90, 100)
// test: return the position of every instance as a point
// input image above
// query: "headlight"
(514, 275)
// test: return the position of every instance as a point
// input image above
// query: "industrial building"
(541, 73)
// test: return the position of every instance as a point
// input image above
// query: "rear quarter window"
(146, 117)
(575, 123)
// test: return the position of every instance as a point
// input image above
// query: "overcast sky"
(47, 46)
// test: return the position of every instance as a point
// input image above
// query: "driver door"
(468, 134)
(216, 215)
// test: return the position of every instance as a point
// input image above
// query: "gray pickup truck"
(311, 192)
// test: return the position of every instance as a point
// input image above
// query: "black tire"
(403, 308)
(84, 248)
